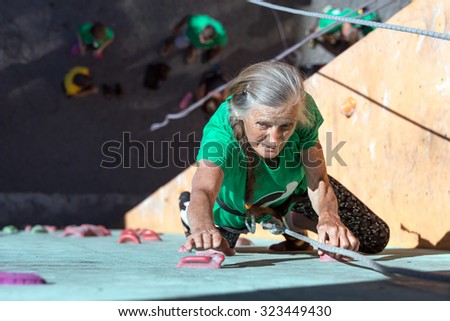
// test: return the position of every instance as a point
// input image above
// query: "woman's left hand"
(333, 232)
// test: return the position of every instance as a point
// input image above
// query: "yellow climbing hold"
(348, 107)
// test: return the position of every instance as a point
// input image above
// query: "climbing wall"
(397, 149)
(386, 104)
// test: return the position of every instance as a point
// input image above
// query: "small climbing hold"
(327, 258)
(145, 234)
(129, 236)
(149, 235)
(85, 230)
(348, 107)
(10, 229)
(95, 230)
(50, 228)
(129, 232)
(202, 262)
(183, 249)
(9, 278)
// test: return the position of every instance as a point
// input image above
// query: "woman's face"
(268, 128)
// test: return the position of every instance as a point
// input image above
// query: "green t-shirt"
(272, 186)
(195, 25)
(88, 39)
(374, 16)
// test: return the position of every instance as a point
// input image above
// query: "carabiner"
(250, 222)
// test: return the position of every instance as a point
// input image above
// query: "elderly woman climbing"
(260, 159)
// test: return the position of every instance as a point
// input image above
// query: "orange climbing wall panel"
(396, 153)
(400, 170)
(160, 211)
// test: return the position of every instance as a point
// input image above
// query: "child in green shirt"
(93, 37)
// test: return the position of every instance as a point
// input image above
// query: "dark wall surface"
(51, 146)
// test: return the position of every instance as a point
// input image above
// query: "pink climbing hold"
(183, 249)
(129, 236)
(202, 262)
(327, 258)
(72, 230)
(149, 235)
(99, 230)
(9, 278)
(145, 234)
(50, 228)
(85, 230)
(128, 232)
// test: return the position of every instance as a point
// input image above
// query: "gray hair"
(273, 84)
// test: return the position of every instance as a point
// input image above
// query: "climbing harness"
(250, 222)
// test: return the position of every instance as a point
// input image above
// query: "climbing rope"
(276, 227)
(188, 110)
(428, 33)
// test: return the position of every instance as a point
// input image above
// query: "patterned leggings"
(371, 231)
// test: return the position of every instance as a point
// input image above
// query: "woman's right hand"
(204, 235)
(208, 239)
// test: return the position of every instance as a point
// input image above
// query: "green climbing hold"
(38, 229)
(10, 229)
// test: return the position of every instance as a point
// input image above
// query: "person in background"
(209, 81)
(342, 36)
(78, 82)
(196, 32)
(94, 37)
